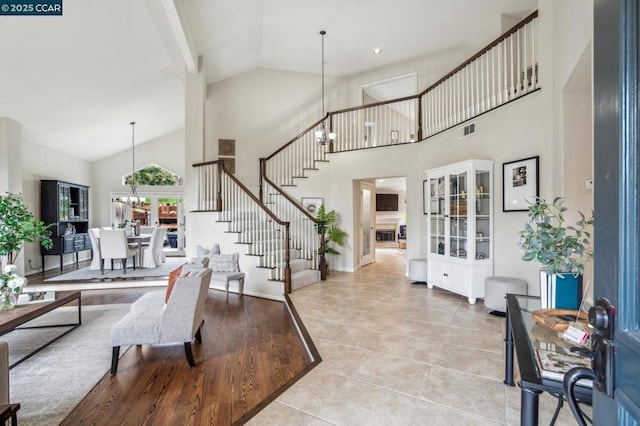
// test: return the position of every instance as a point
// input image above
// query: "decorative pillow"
(173, 276)
(203, 251)
(203, 262)
(224, 262)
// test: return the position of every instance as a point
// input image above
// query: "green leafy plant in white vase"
(561, 248)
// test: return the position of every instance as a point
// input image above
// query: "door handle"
(601, 317)
(568, 384)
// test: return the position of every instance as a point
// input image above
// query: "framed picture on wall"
(312, 204)
(520, 181)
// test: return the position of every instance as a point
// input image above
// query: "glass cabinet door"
(458, 200)
(436, 215)
(483, 214)
(64, 198)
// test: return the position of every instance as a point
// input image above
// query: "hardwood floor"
(250, 354)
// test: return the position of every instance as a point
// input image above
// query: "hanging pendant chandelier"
(133, 199)
(322, 133)
(132, 182)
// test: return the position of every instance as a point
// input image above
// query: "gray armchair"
(151, 322)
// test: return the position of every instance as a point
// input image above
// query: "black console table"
(526, 335)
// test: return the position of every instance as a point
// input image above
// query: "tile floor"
(396, 353)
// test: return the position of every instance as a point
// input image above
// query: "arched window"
(153, 175)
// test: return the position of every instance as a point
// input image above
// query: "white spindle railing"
(208, 196)
(267, 236)
(305, 240)
(505, 70)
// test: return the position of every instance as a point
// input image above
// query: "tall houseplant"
(562, 250)
(18, 226)
(332, 235)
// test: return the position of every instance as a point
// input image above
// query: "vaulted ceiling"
(75, 81)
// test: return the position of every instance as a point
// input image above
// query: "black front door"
(616, 206)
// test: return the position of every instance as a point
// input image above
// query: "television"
(386, 202)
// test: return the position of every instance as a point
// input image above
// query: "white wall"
(262, 110)
(40, 162)
(106, 175)
(509, 133)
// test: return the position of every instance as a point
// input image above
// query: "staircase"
(276, 228)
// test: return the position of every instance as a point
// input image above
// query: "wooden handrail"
(317, 123)
(406, 98)
(244, 189)
(488, 47)
(323, 261)
(291, 200)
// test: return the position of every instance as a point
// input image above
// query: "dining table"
(137, 242)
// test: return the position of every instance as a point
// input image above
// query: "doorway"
(367, 223)
(380, 217)
(164, 210)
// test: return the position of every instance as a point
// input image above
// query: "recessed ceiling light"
(377, 51)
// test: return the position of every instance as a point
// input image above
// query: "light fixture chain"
(323, 34)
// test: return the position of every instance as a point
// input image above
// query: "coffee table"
(21, 314)
(526, 335)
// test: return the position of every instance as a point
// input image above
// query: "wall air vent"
(467, 130)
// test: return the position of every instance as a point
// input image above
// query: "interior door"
(617, 215)
(367, 223)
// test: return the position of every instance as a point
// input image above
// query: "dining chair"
(94, 235)
(153, 255)
(113, 245)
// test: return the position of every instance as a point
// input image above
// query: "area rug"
(52, 382)
(88, 275)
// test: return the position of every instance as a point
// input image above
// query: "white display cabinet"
(459, 209)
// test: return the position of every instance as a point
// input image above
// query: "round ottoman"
(418, 270)
(496, 289)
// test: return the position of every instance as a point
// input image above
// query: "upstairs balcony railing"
(503, 71)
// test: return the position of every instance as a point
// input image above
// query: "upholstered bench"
(227, 277)
(496, 290)
(171, 316)
(225, 269)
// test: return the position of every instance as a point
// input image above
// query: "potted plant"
(562, 250)
(332, 234)
(17, 227)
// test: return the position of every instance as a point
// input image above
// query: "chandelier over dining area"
(133, 198)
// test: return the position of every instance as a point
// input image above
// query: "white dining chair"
(94, 235)
(113, 245)
(153, 255)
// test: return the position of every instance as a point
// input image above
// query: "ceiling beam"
(182, 36)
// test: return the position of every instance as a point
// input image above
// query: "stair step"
(304, 278)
